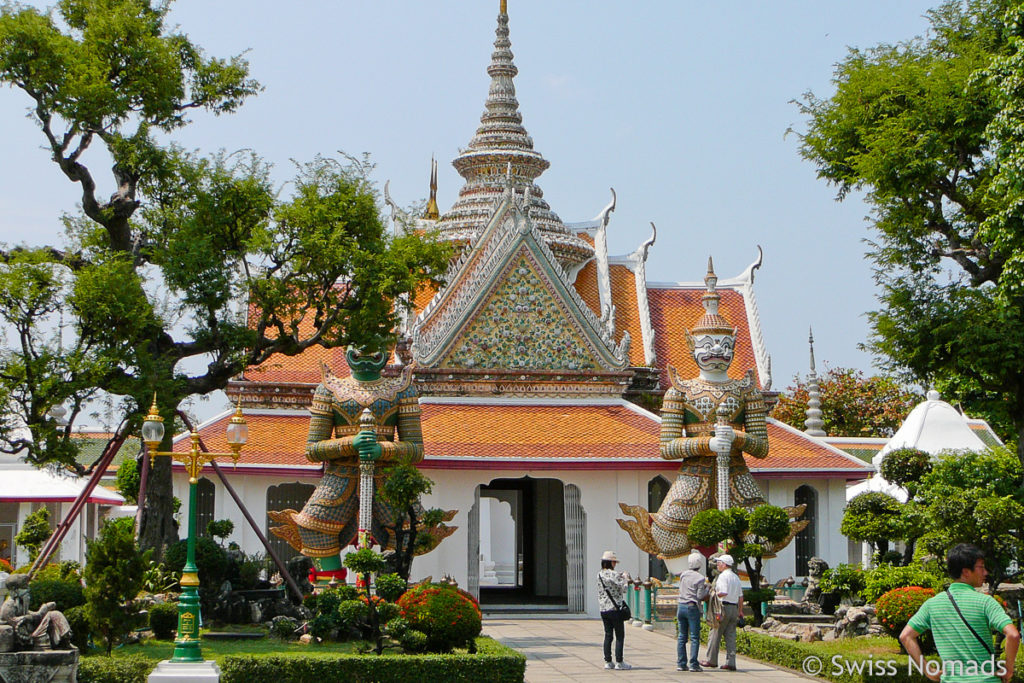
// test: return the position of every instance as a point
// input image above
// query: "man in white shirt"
(730, 591)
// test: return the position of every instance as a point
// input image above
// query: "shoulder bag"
(623, 609)
(987, 645)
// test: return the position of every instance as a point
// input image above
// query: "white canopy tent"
(21, 483)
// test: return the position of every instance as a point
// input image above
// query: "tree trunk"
(158, 530)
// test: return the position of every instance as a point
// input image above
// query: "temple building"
(540, 366)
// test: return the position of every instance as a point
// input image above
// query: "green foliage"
(109, 83)
(895, 607)
(885, 578)
(390, 586)
(975, 498)
(128, 480)
(81, 633)
(34, 532)
(846, 580)
(709, 527)
(402, 489)
(928, 129)
(163, 620)
(220, 528)
(66, 593)
(493, 662)
(851, 404)
(283, 629)
(905, 467)
(158, 579)
(131, 669)
(365, 561)
(448, 616)
(770, 523)
(353, 616)
(211, 560)
(113, 577)
(873, 517)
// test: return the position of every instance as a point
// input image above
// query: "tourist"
(611, 597)
(693, 590)
(962, 621)
(728, 589)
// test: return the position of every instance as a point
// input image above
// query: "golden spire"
(504, 7)
(432, 213)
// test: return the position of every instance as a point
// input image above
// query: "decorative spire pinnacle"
(712, 322)
(501, 140)
(813, 423)
(432, 213)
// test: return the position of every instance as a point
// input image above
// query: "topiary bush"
(352, 616)
(212, 562)
(390, 586)
(66, 593)
(895, 608)
(885, 578)
(449, 617)
(709, 527)
(845, 580)
(163, 620)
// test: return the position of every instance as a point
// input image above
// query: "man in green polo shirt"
(966, 657)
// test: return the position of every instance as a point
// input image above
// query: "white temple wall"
(831, 545)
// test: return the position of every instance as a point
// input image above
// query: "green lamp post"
(186, 644)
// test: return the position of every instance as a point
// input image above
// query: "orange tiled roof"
(480, 433)
(677, 309)
(627, 313)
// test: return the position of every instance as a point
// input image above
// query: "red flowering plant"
(895, 608)
(448, 616)
(5, 566)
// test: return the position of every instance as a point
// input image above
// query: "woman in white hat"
(611, 597)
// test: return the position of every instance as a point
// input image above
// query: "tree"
(874, 518)
(851, 404)
(366, 563)
(975, 498)
(928, 130)
(403, 486)
(906, 467)
(34, 532)
(751, 537)
(191, 257)
(114, 568)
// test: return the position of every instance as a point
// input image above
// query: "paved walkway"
(569, 649)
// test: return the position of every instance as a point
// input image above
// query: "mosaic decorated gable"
(522, 325)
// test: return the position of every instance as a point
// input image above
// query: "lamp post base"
(185, 672)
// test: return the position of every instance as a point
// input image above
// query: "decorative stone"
(47, 666)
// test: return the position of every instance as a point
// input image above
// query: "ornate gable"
(509, 307)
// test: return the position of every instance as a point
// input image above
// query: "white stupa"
(933, 426)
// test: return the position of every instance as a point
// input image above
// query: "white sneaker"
(622, 666)
(609, 665)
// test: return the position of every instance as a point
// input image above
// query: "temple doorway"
(526, 545)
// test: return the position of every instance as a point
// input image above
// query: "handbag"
(623, 609)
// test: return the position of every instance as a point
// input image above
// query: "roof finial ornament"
(813, 423)
(432, 213)
(503, 9)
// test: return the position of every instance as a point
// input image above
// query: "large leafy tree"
(929, 130)
(851, 403)
(187, 268)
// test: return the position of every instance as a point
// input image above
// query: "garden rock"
(6, 638)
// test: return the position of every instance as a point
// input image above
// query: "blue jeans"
(688, 617)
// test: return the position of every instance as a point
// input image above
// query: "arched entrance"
(527, 539)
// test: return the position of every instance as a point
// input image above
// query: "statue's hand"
(723, 438)
(366, 443)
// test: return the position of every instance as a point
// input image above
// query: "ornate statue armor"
(708, 423)
(328, 521)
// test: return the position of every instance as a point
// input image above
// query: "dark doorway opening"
(538, 575)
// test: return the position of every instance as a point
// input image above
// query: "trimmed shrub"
(352, 616)
(163, 620)
(845, 580)
(211, 560)
(886, 577)
(66, 593)
(895, 608)
(494, 663)
(448, 616)
(390, 586)
(131, 669)
(78, 620)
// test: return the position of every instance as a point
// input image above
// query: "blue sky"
(680, 106)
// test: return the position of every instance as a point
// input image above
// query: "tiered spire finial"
(501, 140)
(712, 321)
(432, 213)
(813, 423)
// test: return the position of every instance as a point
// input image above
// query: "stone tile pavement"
(560, 648)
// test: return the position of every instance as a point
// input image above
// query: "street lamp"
(186, 644)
